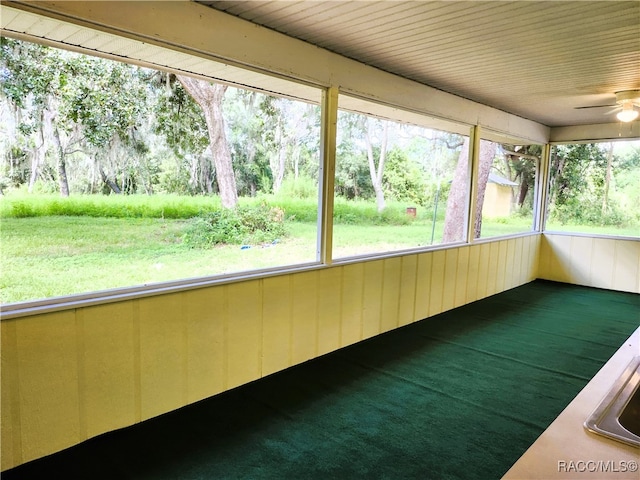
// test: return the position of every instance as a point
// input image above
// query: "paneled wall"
(610, 263)
(70, 375)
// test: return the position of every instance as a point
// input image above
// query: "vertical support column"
(474, 158)
(328, 133)
(542, 190)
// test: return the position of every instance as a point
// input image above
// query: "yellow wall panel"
(523, 260)
(304, 333)
(462, 271)
(163, 354)
(205, 323)
(108, 373)
(544, 262)
(243, 332)
(627, 266)
(596, 262)
(602, 261)
(10, 436)
(390, 293)
(560, 259)
(407, 299)
(535, 252)
(510, 271)
(437, 282)
(449, 282)
(535, 247)
(501, 267)
(579, 255)
(135, 359)
(423, 285)
(48, 383)
(329, 306)
(492, 276)
(372, 298)
(530, 267)
(352, 292)
(483, 270)
(276, 315)
(473, 269)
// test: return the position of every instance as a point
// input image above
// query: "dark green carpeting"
(461, 395)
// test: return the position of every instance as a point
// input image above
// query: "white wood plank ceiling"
(536, 59)
(37, 28)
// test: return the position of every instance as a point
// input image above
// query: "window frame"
(544, 202)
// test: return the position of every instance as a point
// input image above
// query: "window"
(394, 180)
(506, 188)
(595, 188)
(115, 175)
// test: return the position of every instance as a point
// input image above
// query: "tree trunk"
(457, 201)
(112, 185)
(524, 189)
(209, 96)
(61, 165)
(487, 154)
(376, 173)
(607, 180)
(37, 160)
(277, 159)
(296, 162)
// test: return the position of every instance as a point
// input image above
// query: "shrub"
(244, 225)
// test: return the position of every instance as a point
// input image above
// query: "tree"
(209, 96)
(457, 201)
(376, 170)
(180, 121)
(31, 81)
(248, 121)
(370, 136)
(520, 165)
(106, 102)
(607, 179)
(403, 179)
(67, 103)
(577, 183)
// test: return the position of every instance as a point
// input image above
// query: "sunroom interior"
(519, 73)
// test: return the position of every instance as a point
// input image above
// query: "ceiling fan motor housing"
(628, 99)
(628, 96)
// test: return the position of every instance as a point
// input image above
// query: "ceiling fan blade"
(613, 110)
(596, 106)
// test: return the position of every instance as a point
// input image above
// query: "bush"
(244, 225)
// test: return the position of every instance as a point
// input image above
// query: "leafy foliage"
(403, 179)
(585, 185)
(117, 128)
(244, 225)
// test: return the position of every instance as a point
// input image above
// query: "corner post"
(329, 120)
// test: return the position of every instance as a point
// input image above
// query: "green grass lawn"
(53, 256)
(102, 244)
(61, 255)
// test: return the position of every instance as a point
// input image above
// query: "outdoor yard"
(53, 247)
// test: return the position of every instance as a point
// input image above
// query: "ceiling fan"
(626, 103)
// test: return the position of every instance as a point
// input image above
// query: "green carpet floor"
(457, 396)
